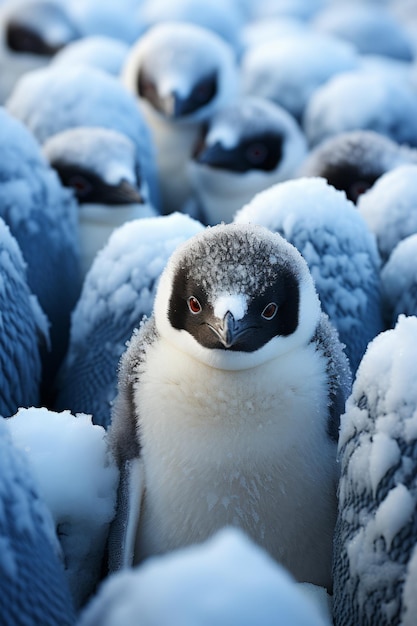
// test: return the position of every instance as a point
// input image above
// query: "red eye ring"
(194, 305)
(270, 311)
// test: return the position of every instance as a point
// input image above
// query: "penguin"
(31, 33)
(389, 207)
(399, 281)
(106, 53)
(360, 99)
(118, 291)
(372, 29)
(228, 405)
(353, 161)
(49, 101)
(376, 529)
(289, 68)
(246, 147)
(180, 74)
(339, 248)
(100, 165)
(248, 587)
(33, 586)
(77, 480)
(24, 330)
(42, 216)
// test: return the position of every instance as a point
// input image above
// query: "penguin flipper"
(121, 543)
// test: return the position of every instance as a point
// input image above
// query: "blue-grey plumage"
(339, 248)
(228, 404)
(50, 100)
(118, 291)
(33, 587)
(24, 328)
(42, 216)
(376, 529)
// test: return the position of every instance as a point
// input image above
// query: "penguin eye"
(80, 185)
(256, 153)
(269, 311)
(194, 305)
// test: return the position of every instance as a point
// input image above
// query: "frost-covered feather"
(376, 529)
(42, 216)
(338, 247)
(33, 588)
(23, 329)
(106, 53)
(77, 480)
(118, 291)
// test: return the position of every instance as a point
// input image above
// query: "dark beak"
(214, 156)
(226, 330)
(123, 193)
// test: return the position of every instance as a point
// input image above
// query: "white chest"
(247, 448)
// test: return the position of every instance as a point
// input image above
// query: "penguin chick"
(362, 100)
(376, 531)
(33, 587)
(100, 165)
(24, 328)
(50, 100)
(352, 161)
(31, 33)
(181, 74)
(339, 248)
(247, 147)
(118, 290)
(228, 406)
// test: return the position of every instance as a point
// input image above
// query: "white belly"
(246, 448)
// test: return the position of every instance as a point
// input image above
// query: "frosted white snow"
(77, 480)
(227, 581)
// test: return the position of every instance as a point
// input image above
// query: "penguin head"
(98, 164)
(181, 71)
(235, 296)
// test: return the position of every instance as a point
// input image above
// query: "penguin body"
(210, 407)
(399, 281)
(181, 74)
(42, 216)
(247, 147)
(376, 530)
(24, 330)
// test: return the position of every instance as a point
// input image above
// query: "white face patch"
(236, 304)
(225, 134)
